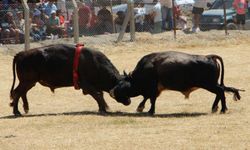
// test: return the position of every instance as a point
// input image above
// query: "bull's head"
(121, 92)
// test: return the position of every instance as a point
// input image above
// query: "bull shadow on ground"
(112, 114)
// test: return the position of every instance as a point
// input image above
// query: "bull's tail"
(233, 90)
(215, 58)
(14, 77)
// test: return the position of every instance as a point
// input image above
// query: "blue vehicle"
(213, 18)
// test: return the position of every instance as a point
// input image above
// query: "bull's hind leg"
(15, 95)
(20, 91)
(215, 104)
(25, 103)
(220, 95)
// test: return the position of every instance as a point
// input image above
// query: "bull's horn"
(111, 93)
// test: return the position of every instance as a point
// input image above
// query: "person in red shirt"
(84, 14)
(240, 6)
(61, 17)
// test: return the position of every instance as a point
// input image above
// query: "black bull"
(174, 71)
(52, 66)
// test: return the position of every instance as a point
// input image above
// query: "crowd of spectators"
(51, 19)
(154, 16)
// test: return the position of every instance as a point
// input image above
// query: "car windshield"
(218, 4)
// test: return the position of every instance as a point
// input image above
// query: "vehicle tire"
(231, 26)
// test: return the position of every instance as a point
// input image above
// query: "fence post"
(75, 18)
(225, 16)
(113, 23)
(129, 16)
(174, 18)
(132, 21)
(27, 24)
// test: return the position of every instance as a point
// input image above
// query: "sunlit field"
(68, 119)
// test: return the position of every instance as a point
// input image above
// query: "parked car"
(213, 18)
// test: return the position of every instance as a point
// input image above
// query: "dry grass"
(69, 120)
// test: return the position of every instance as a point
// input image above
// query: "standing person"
(104, 21)
(240, 6)
(198, 9)
(139, 17)
(156, 14)
(167, 15)
(84, 14)
(49, 7)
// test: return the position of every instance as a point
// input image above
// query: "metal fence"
(68, 19)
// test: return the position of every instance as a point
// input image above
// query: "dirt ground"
(69, 120)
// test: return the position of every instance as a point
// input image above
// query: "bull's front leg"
(152, 108)
(103, 106)
(97, 95)
(141, 106)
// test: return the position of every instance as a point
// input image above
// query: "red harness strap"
(75, 66)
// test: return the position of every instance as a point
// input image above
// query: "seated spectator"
(62, 22)
(37, 28)
(61, 17)
(53, 26)
(20, 23)
(10, 30)
(104, 21)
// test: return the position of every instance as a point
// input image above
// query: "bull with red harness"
(62, 65)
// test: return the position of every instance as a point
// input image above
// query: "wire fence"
(54, 19)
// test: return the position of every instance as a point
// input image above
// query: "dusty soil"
(69, 120)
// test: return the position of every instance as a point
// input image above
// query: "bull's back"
(176, 70)
(51, 65)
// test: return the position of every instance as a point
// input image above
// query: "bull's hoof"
(102, 112)
(17, 114)
(151, 113)
(26, 108)
(215, 109)
(107, 108)
(139, 109)
(26, 111)
(11, 104)
(223, 111)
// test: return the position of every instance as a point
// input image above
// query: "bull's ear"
(125, 74)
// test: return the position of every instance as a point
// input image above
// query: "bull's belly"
(184, 90)
(54, 82)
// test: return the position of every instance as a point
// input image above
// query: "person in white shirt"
(156, 14)
(139, 17)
